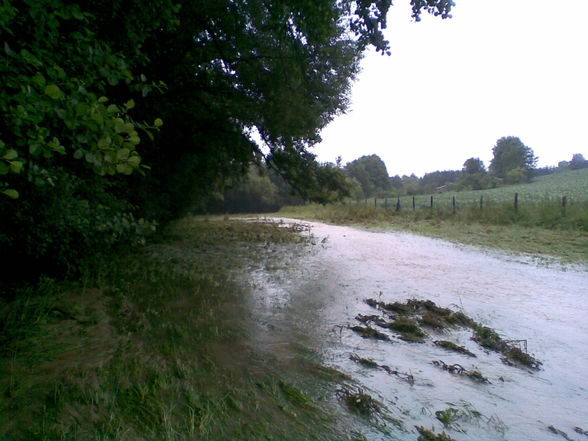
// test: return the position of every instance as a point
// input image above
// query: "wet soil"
(466, 325)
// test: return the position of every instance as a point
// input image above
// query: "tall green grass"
(150, 346)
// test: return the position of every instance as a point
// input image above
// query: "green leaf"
(11, 193)
(16, 166)
(158, 122)
(130, 104)
(134, 139)
(53, 91)
(78, 154)
(123, 154)
(4, 169)
(112, 108)
(104, 142)
(10, 155)
(134, 161)
(125, 169)
(102, 99)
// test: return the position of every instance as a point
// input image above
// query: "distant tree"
(511, 154)
(474, 174)
(578, 162)
(474, 165)
(430, 182)
(371, 173)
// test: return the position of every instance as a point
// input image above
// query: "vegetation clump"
(426, 313)
(408, 329)
(359, 402)
(368, 332)
(460, 370)
(409, 378)
(429, 435)
(488, 338)
(450, 346)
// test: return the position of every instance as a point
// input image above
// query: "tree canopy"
(512, 160)
(120, 114)
(370, 171)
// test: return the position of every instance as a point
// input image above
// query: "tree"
(113, 124)
(578, 162)
(473, 174)
(512, 161)
(371, 173)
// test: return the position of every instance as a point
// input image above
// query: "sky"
(451, 88)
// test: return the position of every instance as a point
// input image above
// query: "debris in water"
(560, 432)
(460, 370)
(450, 346)
(359, 402)
(367, 332)
(426, 313)
(488, 338)
(372, 364)
(406, 327)
(581, 431)
(429, 435)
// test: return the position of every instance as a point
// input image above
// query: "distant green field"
(572, 184)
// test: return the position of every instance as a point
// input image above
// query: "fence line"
(455, 203)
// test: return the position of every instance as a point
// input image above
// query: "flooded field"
(305, 304)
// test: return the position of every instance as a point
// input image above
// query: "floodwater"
(309, 299)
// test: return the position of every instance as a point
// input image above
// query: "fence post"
(413, 204)
(564, 201)
(366, 201)
(516, 202)
(453, 204)
(398, 204)
(385, 203)
(375, 203)
(431, 201)
(481, 202)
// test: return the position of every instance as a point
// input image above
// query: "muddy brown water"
(307, 299)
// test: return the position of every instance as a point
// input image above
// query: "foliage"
(578, 162)
(370, 171)
(140, 346)
(512, 160)
(121, 122)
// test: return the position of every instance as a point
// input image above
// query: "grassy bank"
(151, 346)
(540, 229)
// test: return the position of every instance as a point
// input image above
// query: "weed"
(359, 402)
(429, 435)
(450, 346)
(367, 332)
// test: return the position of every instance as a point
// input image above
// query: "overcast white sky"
(452, 88)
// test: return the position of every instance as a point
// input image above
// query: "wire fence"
(455, 202)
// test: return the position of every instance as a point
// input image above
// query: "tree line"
(512, 163)
(263, 190)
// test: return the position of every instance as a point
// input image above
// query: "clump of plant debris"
(359, 402)
(367, 332)
(450, 346)
(373, 365)
(460, 370)
(488, 338)
(429, 435)
(406, 318)
(555, 430)
(406, 327)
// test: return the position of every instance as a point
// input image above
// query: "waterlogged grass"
(542, 230)
(148, 346)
